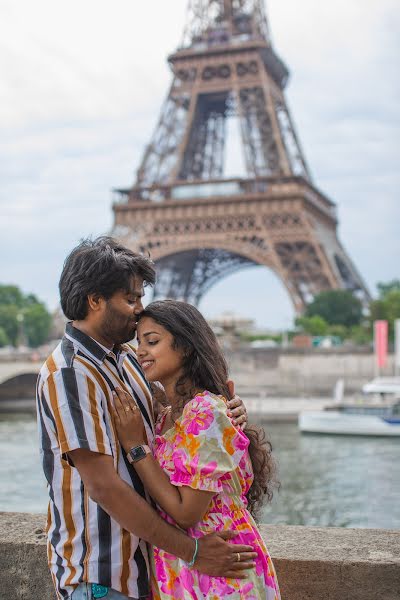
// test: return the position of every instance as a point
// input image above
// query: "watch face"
(137, 453)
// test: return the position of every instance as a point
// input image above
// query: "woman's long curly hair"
(204, 368)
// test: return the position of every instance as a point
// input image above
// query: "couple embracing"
(153, 477)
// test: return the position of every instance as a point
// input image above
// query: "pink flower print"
(201, 421)
(241, 441)
(183, 473)
(204, 584)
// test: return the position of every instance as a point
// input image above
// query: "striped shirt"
(74, 393)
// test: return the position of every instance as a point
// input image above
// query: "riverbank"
(257, 373)
(312, 563)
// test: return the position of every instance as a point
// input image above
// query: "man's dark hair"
(101, 266)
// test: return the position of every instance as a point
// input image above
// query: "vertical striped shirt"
(74, 394)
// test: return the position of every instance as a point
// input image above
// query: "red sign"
(381, 342)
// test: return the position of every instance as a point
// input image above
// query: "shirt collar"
(90, 346)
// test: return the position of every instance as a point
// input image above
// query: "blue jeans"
(84, 592)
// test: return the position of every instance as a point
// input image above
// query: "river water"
(325, 480)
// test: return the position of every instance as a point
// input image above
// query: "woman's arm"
(184, 504)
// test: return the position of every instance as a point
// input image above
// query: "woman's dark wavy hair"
(101, 266)
(204, 368)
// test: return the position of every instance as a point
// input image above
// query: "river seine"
(325, 480)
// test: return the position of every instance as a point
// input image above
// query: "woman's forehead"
(147, 325)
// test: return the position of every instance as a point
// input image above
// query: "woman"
(205, 474)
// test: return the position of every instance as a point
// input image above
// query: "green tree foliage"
(339, 331)
(314, 325)
(22, 317)
(387, 307)
(385, 288)
(336, 307)
(9, 322)
(37, 322)
(11, 295)
(360, 335)
(3, 338)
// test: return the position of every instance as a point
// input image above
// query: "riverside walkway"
(312, 563)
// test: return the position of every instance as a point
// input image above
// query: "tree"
(9, 322)
(387, 307)
(11, 295)
(3, 338)
(385, 288)
(315, 325)
(37, 322)
(23, 316)
(336, 307)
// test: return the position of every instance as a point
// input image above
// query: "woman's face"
(159, 360)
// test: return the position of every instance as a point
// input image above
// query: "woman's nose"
(141, 351)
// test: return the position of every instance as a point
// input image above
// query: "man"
(99, 518)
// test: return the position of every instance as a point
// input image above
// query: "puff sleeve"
(207, 445)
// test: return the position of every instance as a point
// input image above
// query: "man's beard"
(118, 328)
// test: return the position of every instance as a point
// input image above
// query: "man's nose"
(138, 307)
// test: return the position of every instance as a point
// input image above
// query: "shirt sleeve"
(76, 403)
(207, 445)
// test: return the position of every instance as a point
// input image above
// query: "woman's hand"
(237, 411)
(128, 420)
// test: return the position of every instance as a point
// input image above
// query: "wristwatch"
(137, 453)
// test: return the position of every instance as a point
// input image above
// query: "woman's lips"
(146, 364)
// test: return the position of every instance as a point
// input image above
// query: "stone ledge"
(313, 563)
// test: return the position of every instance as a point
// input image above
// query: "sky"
(81, 87)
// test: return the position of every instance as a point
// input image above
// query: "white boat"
(383, 386)
(364, 418)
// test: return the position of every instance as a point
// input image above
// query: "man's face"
(121, 312)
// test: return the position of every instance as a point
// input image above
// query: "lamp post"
(21, 340)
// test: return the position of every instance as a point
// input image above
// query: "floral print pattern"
(206, 452)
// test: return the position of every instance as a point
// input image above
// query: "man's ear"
(95, 302)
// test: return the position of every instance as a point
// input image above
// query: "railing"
(219, 188)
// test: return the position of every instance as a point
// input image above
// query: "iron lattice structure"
(199, 225)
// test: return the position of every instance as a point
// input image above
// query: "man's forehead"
(135, 286)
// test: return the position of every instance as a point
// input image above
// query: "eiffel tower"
(200, 225)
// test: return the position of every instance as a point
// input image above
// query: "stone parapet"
(313, 563)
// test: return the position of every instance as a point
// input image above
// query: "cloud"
(82, 85)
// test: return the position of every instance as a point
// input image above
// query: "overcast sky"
(81, 85)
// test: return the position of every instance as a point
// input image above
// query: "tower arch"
(186, 213)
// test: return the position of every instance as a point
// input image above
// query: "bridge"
(17, 382)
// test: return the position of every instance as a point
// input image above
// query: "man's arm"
(134, 514)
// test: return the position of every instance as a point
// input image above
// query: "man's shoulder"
(53, 363)
(62, 358)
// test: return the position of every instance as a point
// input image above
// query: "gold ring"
(127, 408)
(238, 556)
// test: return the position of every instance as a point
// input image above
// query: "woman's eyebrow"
(150, 332)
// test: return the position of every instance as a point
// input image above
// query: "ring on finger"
(237, 556)
(127, 408)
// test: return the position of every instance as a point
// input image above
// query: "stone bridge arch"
(18, 380)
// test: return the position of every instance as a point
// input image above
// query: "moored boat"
(365, 418)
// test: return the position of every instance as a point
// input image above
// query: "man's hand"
(237, 410)
(219, 559)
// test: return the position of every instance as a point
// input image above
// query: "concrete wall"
(312, 563)
(301, 373)
(274, 371)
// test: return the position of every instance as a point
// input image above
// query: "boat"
(368, 417)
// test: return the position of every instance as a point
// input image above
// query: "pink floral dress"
(206, 452)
